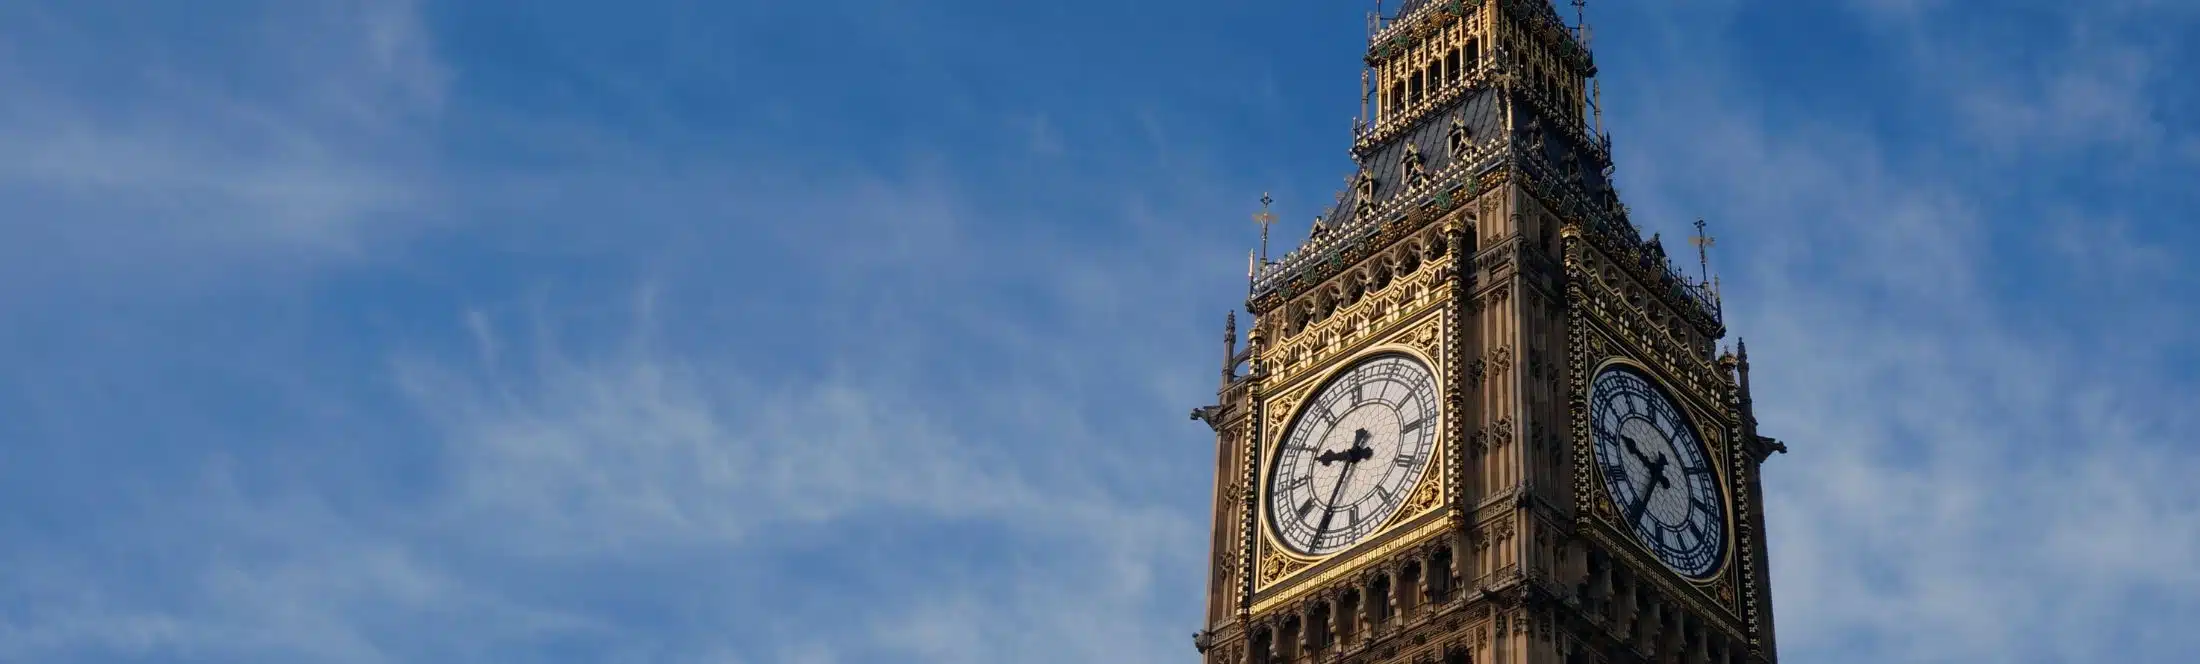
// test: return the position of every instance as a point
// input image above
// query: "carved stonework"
(1424, 499)
(1274, 565)
(1407, 296)
(1428, 338)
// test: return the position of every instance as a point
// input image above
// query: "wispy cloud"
(2045, 76)
(626, 386)
(1967, 474)
(163, 146)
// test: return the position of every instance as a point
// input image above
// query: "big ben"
(1477, 416)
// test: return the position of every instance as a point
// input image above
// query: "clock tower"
(1477, 416)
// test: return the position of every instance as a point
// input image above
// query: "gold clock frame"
(1427, 492)
(1714, 453)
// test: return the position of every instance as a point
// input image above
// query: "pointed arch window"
(1364, 190)
(1459, 139)
(1413, 167)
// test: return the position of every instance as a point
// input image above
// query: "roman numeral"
(1306, 508)
(1410, 426)
(1352, 516)
(1384, 493)
(1697, 470)
(1705, 507)
(1296, 482)
(1404, 461)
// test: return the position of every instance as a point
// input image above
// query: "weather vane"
(1703, 255)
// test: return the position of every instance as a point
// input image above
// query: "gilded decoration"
(1423, 500)
(1345, 564)
(1378, 312)
(1275, 565)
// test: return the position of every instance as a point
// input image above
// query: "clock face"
(1657, 472)
(1354, 452)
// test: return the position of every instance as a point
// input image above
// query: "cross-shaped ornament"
(1703, 255)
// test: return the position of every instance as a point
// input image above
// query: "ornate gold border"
(1295, 358)
(1350, 565)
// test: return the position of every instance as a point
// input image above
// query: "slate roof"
(1481, 112)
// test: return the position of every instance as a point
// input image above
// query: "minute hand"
(1350, 457)
(1657, 481)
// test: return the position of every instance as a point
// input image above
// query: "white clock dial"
(1352, 454)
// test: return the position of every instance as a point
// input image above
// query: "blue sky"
(730, 332)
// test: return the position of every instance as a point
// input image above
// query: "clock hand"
(1657, 481)
(1635, 448)
(1359, 451)
(1350, 457)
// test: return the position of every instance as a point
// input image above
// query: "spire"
(1229, 348)
(1581, 22)
(1264, 218)
(1252, 270)
(1703, 255)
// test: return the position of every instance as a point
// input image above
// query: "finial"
(1264, 218)
(1596, 103)
(1361, 119)
(1703, 255)
(1252, 270)
(1229, 348)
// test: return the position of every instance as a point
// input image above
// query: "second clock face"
(1657, 472)
(1352, 454)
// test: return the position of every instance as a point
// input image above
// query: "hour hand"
(1634, 448)
(1359, 451)
(1657, 473)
